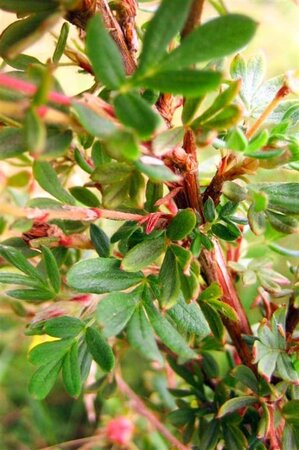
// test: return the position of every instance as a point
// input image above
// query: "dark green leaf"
(189, 110)
(165, 24)
(81, 161)
(43, 379)
(169, 280)
(100, 240)
(141, 337)
(224, 309)
(15, 278)
(283, 197)
(134, 112)
(71, 371)
(210, 435)
(28, 6)
(217, 38)
(17, 259)
(100, 350)
(64, 327)
(290, 412)
(104, 54)
(234, 438)
(52, 268)
(47, 178)
(100, 275)
(111, 172)
(181, 225)
(228, 232)
(282, 223)
(143, 254)
(181, 416)
(115, 310)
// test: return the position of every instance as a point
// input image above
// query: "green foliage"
(193, 296)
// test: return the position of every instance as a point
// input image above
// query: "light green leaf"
(190, 83)
(165, 24)
(141, 337)
(189, 318)
(181, 225)
(48, 352)
(169, 280)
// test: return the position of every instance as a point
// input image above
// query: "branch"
(194, 17)
(141, 408)
(68, 213)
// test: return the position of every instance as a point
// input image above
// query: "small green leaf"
(115, 310)
(15, 278)
(214, 321)
(283, 197)
(191, 105)
(166, 332)
(181, 225)
(17, 259)
(212, 292)
(229, 116)
(234, 191)
(134, 112)
(143, 254)
(165, 24)
(112, 173)
(100, 350)
(61, 43)
(52, 268)
(123, 145)
(95, 124)
(64, 327)
(237, 140)
(282, 223)
(169, 280)
(48, 352)
(47, 178)
(257, 220)
(217, 38)
(43, 379)
(290, 412)
(100, 275)
(234, 438)
(141, 337)
(167, 140)
(234, 404)
(209, 210)
(11, 143)
(210, 435)
(100, 241)
(189, 318)
(104, 54)
(284, 251)
(34, 132)
(227, 232)
(84, 196)
(224, 309)
(155, 170)
(71, 371)
(190, 83)
(81, 161)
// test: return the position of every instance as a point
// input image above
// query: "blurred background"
(27, 424)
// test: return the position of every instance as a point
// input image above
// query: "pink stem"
(29, 88)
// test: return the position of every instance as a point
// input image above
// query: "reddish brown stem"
(194, 17)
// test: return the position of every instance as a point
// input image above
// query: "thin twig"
(141, 408)
(194, 17)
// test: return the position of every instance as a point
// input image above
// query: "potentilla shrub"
(154, 212)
